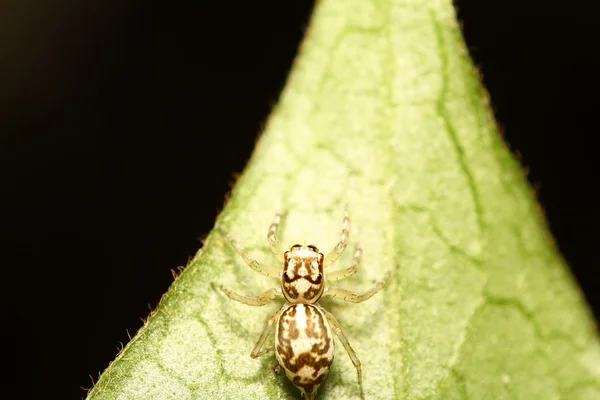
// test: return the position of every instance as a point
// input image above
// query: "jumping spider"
(304, 345)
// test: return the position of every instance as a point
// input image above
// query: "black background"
(113, 112)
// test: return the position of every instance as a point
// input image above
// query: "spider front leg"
(347, 295)
(341, 246)
(252, 263)
(337, 328)
(251, 301)
(258, 348)
(272, 238)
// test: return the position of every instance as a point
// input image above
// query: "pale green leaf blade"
(384, 113)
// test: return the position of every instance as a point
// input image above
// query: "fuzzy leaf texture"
(383, 113)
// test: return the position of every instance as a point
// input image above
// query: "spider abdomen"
(304, 346)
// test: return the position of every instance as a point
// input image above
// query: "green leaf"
(384, 113)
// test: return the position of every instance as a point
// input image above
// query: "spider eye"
(313, 248)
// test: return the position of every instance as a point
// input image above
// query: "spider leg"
(258, 348)
(341, 246)
(347, 272)
(337, 328)
(261, 268)
(273, 240)
(251, 301)
(347, 295)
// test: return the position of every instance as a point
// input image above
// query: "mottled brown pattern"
(291, 291)
(309, 387)
(302, 278)
(316, 332)
(312, 292)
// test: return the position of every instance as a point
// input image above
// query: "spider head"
(302, 279)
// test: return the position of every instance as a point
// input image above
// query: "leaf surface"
(383, 113)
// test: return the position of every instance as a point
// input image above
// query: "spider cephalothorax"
(302, 278)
